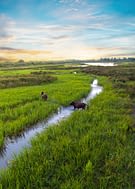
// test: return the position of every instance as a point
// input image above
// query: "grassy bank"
(89, 150)
(123, 79)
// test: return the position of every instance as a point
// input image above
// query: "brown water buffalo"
(44, 96)
(78, 105)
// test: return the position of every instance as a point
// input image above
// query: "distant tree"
(21, 61)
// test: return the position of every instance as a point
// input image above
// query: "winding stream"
(16, 144)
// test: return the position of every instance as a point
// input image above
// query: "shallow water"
(16, 144)
(98, 64)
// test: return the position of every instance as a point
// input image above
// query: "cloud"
(78, 11)
(57, 28)
(60, 37)
(131, 24)
(5, 25)
(69, 1)
(3, 59)
(129, 54)
(81, 29)
(7, 49)
(41, 36)
(8, 53)
(22, 51)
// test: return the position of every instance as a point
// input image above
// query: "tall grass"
(34, 78)
(89, 150)
(22, 107)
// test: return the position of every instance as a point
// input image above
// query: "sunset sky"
(66, 29)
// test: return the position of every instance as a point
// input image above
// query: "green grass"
(21, 107)
(15, 72)
(11, 67)
(34, 78)
(123, 79)
(91, 149)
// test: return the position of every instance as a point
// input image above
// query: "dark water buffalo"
(131, 128)
(78, 105)
(44, 96)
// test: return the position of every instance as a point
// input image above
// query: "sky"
(66, 29)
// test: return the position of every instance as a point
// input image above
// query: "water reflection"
(98, 64)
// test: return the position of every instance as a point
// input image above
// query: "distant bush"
(25, 80)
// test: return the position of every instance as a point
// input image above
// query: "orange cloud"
(10, 53)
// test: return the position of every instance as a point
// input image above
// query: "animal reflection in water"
(44, 95)
(78, 105)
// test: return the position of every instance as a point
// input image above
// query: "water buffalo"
(78, 105)
(44, 96)
(131, 128)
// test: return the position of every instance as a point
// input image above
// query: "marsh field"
(92, 149)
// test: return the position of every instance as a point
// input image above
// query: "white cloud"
(80, 30)
(5, 25)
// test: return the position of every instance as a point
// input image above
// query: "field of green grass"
(92, 149)
(21, 107)
(89, 150)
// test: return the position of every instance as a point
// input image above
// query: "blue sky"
(66, 29)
